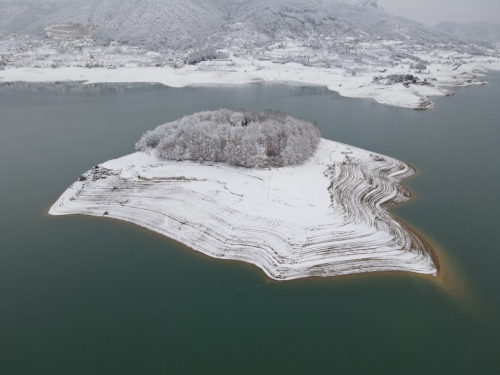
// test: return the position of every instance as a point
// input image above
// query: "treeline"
(396, 78)
(268, 139)
(205, 54)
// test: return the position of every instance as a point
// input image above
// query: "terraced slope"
(327, 217)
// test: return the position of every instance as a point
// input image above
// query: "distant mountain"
(476, 32)
(172, 23)
(275, 19)
(377, 23)
(181, 24)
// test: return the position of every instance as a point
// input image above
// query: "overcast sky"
(434, 11)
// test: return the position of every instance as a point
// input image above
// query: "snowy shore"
(326, 217)
(410, 96)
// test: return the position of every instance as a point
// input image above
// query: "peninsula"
(326, 215)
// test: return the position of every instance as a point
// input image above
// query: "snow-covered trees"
(205, 54)
(420, 66)
(395, 78)
(269, 138)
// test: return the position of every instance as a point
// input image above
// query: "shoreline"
(407, 96)
(446, 280)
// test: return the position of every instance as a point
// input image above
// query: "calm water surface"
(84, 295)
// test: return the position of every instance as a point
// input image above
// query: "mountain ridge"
(183, 24)
(475, 31)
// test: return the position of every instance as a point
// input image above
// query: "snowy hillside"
(182, 24)
(172, 23)
(24, 16)
(379, 24)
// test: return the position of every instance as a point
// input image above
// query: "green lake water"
(82, 295)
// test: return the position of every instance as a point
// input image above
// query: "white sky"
(434, 11)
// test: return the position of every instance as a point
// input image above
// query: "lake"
(83, 295)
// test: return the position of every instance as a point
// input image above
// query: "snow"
(326, 217)
(250, 71)
(181, 24)
(264, 41)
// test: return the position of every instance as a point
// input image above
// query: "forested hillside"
(181, 24)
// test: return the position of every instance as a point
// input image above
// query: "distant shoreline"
(408, 96)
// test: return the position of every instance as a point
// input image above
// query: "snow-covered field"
(350, 74)
(326, 217)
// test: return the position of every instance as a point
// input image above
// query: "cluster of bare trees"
(205, 54)
(396, 78)
(267, 139)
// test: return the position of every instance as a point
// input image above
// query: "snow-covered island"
(264, 189)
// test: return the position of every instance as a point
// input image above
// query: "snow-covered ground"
(347, 68)
(326, 217)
